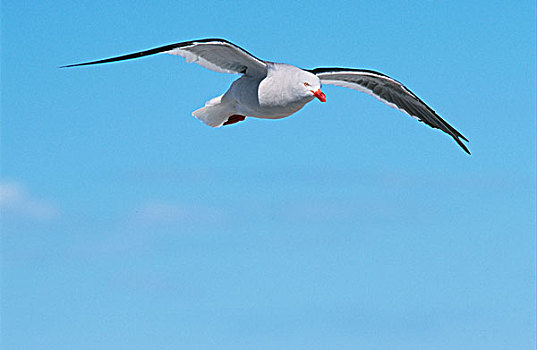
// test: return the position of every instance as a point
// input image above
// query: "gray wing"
(218, 55)
(389, 91)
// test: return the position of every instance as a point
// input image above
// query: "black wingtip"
(79, 64)
(83, 64)
(463, 146)
(153, 51)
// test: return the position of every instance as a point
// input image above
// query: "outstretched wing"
(218, 55)
(389, 91)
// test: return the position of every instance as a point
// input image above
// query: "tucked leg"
(234, 119)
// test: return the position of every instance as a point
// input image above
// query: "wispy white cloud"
(150, 222)
(15, 199)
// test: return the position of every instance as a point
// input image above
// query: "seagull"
(272, 90)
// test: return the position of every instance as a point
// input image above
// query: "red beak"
(320, 95)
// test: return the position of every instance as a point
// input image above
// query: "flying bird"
(272, 90)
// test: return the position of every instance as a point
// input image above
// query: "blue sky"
(126, 223)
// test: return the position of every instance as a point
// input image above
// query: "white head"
(289, 86)
(299, 85)
(310, 85)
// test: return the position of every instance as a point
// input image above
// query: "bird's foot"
(234, 119)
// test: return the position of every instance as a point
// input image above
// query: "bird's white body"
(276, 90)
(277, 94)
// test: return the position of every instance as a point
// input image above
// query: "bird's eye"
(306, 84)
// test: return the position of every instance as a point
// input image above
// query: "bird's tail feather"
(215, 113)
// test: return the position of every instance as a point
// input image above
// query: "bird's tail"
(215, 113)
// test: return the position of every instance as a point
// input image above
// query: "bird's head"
(310, 85)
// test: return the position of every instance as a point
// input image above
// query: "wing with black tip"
(218, 55)
(389, 91)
